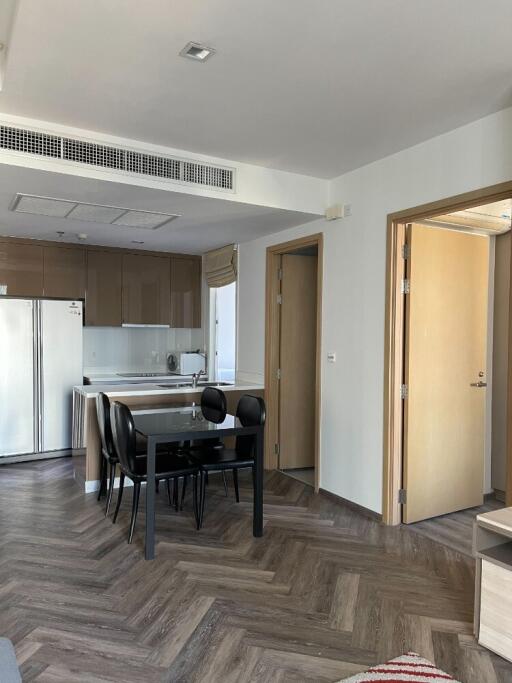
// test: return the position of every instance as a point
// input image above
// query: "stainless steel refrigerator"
(40, 362)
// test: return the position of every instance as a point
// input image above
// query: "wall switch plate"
(331, 357)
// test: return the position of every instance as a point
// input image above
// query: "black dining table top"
(185, 420)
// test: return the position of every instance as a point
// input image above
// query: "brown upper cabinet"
(185, 292)
(21, 269)
(146, 289)
(64, 272)
(103, 303)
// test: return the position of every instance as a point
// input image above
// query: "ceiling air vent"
(116, 158)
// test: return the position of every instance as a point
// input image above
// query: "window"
(223, 332)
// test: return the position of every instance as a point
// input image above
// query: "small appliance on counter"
(186, 363)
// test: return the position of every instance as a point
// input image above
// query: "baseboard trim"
(32, 457)
(375, 516)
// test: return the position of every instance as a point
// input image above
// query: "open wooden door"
(297, 361)
(445, 371)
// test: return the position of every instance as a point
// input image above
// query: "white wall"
(465, 159)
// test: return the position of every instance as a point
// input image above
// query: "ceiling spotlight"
(82, 236)
(197, 51)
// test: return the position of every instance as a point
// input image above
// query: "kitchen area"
(79, 319)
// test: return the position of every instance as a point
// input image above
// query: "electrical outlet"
(331, 357)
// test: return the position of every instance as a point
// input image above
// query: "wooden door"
(103, 304)
(146, 289)
(64, 272)
(297, 361)
(185, 292)
(21, 268)
(446, 339)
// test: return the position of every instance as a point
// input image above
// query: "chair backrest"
(123, 432)
(213, 404)
(103, 414)
(251, 412)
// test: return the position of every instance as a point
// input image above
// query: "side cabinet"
(21, 269)
(185, 292)
(103, 302)
(64, 272)
(146, 289)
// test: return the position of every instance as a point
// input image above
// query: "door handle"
(478, 384)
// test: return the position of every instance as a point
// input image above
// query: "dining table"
(188, 423)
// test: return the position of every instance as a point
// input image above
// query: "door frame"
(272, 334)
(394, 340)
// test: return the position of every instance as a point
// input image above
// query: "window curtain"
(220, 266)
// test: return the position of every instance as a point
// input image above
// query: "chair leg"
(183, 489)
(119, 496)
(175, 492)
(157, 486)
(225, 481)
(235, 482)
(135, 508)
(168, 485)
(195, 501)
(202, 498)
(110, 493)
(103, 476)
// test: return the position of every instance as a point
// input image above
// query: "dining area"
(172, 451)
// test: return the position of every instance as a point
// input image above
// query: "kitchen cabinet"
(21, 269)
(146, 289)
(185, 292)
(103, 303)
(64, 272)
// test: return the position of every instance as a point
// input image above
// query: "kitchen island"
(152, 396)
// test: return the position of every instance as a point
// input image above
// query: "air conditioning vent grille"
(94, 154)
(30, 142)
(115, 158)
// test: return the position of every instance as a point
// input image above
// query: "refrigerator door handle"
(40, 394)
(35, 378)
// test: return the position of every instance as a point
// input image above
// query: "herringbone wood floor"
(322, 595)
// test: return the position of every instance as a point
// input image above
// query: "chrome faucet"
(195, 378)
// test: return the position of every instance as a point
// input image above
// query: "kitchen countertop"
(153, 389)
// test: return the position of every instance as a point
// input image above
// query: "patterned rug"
(408, 668)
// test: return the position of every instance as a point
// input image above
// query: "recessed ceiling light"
(197, 51)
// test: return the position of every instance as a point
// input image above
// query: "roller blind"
(220, 266)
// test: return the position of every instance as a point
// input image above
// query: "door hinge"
(276, 448)
(405, 251)
(279, 273)
(279, 299)
(405, 286)
(278, 373)
(404, 391)
(402, 496)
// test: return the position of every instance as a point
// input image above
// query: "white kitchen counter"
(153, 389)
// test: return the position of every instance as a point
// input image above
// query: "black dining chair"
(168, 466)
(214, 407)
(251, 412)
(109, 459)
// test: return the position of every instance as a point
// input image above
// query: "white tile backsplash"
(129, 349)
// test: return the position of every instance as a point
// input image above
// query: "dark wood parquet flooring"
(324, 594)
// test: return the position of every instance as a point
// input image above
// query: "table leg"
(150, 502)
(257, 521)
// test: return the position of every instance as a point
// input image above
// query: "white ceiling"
(204, 223)
(313, 86)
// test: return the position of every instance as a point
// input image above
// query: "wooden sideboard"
(492, 547)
